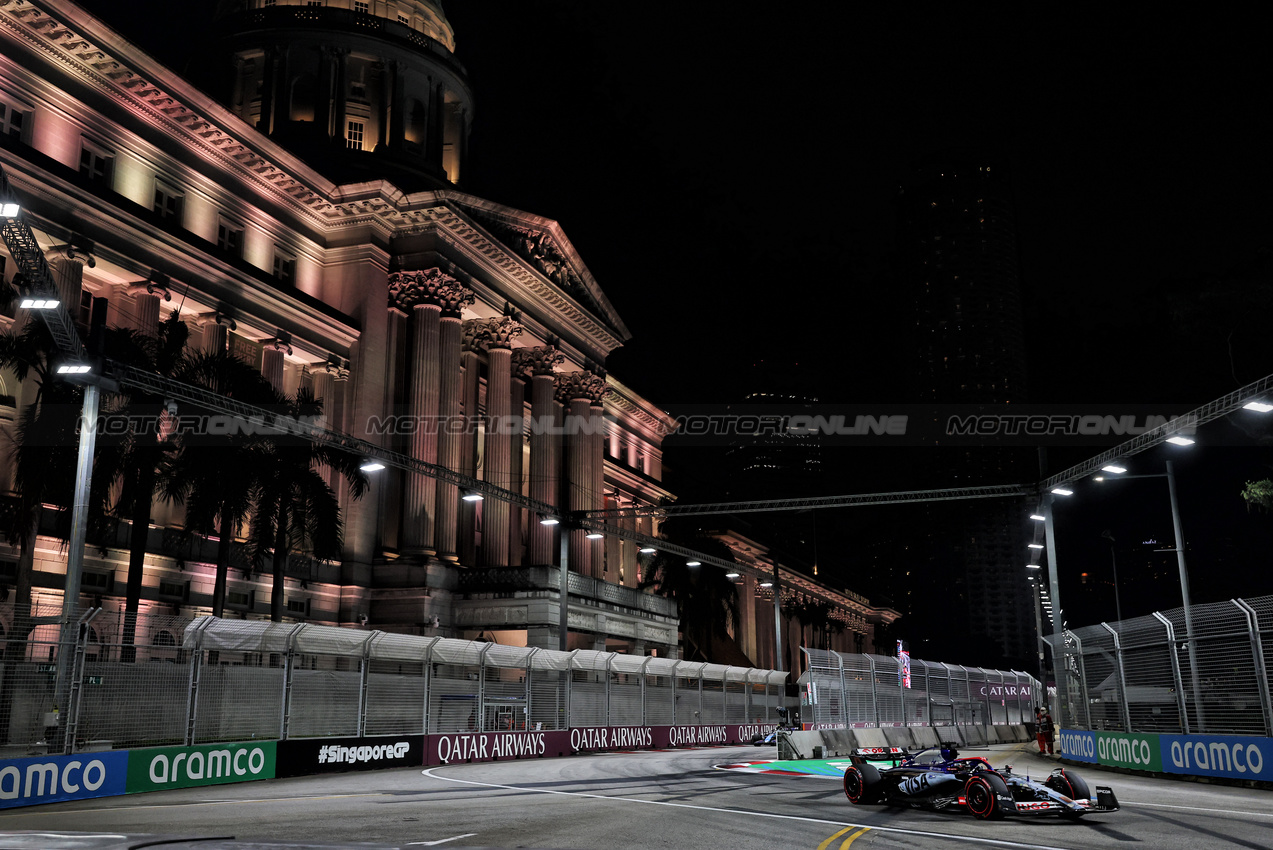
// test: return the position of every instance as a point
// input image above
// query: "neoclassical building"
(299, 206)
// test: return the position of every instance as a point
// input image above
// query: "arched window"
(417, 121)
(304, 96)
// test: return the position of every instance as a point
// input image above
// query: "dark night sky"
(728, 172)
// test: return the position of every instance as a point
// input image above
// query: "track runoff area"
(740, 798)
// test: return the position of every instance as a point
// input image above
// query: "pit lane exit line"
(997, 842)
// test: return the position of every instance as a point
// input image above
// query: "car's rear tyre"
(1070, 784)
(863, 784)
(981, 795)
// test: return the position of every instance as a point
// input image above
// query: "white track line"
(992, 841)
(1196, 809)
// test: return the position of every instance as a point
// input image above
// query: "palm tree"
(706, 601)
(293, 508)
(133, 461)
(214, 475)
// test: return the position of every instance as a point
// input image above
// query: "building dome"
(361, 89)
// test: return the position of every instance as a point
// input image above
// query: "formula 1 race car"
(942, 780)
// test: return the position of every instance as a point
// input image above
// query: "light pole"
(1190, 643)
(1113, 562)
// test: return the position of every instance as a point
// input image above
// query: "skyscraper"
(957, 257)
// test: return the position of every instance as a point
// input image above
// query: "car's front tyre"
(863, 784)
(981, 795)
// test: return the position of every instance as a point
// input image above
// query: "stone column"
(146, 297)
(517, 451)
(596, 500)
(68, 264)
(420, 295)
(397, 102)
(496, 335)
(272, 359)
(342, 93)
(544, 437)
(269, 85)
(471, 362)
(437, 126)
(216, 333)
(450, 346)
(324, 92)
(573, 392)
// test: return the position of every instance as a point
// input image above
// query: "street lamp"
(1118, 609)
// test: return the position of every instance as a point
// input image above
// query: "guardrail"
(863, 691)
(1135, 676)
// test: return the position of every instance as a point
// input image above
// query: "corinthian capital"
(596, 388)
(538, 360)
(430, 286)
(499, 332)
(572, 386)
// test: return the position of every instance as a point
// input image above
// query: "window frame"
(167, 191)
(98, 151)
(225, 226)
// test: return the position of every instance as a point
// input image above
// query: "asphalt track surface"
(668, 799)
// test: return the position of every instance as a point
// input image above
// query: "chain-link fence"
(211, 680)
(843, 690)
(1149, 674)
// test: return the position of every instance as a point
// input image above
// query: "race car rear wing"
(863, 754)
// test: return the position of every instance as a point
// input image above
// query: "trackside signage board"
(185, 767)
(1233, 756)
(1138, 752)
(302, 757)
(463, 747)
(1078, 745)
(47, 779)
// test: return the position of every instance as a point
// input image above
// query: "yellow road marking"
(825, 844)
(854, 837)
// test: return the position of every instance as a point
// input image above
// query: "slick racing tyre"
(981, 794)
(1070, 784)
(863, 784)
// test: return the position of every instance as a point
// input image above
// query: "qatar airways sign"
(464, 747)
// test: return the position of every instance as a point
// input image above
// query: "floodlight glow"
(766, 584)
(693, 563)
(73, 369)
(372, 466)
(1061, 491)
(731, 575)
(549, 521)
(1257, 406)
(39, 303)
(1033, 567)
(648, 550)
(1117, 470)
(595, 535)
(1180, 441)
(1034, 545)
(1037, 517)
(472, 497)
(10, 210)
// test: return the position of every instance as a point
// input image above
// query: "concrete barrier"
(898, 736)
(871, 738)
(804, 742)
(840, 742)
(973, 736)
(925, 736)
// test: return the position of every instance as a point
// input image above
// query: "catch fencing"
(238, 680)
(858, 691)
(1149, 674)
